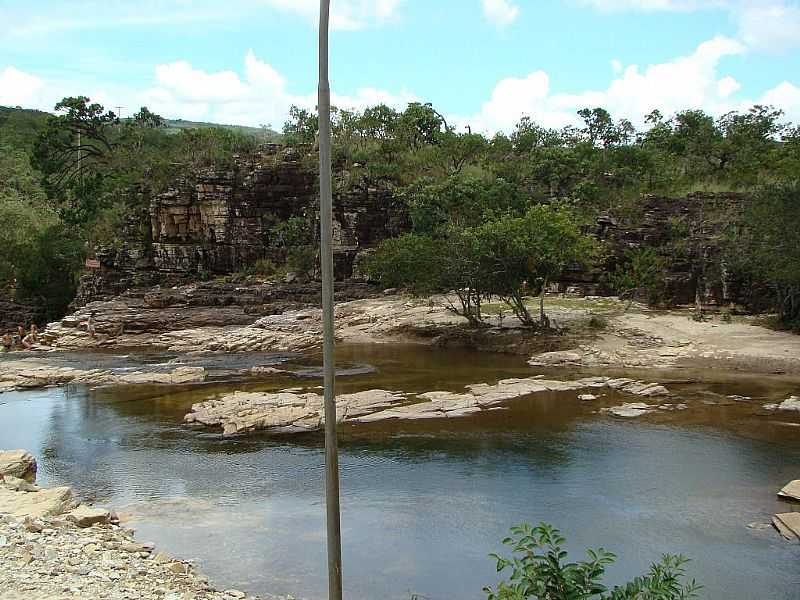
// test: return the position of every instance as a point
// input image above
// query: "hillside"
(20, 126)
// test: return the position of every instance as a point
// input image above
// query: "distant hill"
(20, 126)
(256, 131)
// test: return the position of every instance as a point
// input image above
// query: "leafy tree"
(522, 255)
(460, 200)
(539, 571)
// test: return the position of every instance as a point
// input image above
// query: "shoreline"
(600, 334)
(54, 548)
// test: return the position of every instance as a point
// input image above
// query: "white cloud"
(31, 20)
(654, 5)
(787, 97)
(18, 88)
(347, 15)
(690, 81)
(769, 26)
(260, 97)
(501, 13)
(763, 25)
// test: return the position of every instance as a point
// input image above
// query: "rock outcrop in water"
(294, 411)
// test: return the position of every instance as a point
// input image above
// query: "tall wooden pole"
(328, 356)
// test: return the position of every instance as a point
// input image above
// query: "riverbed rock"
(294, 411)
(629, 410)
(792, 403)
(44, 503)
(18, 485)
(181, 375)
(587, 397)
(18, 463)
(788, 524)
(791, 490)
(286, 411)
(86, 516)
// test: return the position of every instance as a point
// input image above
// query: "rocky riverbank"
(53, 548)
(204, 319)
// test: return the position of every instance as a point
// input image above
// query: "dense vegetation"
(490, 217)
(503, 216)
(67, 182)
(539, 570)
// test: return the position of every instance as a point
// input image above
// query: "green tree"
(539, 570)
(523, 255)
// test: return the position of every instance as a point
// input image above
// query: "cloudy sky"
(485, 63)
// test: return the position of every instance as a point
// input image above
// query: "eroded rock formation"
(219, 221)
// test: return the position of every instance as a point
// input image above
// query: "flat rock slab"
(293, 411)
(18, 463)
(630, 410)
(788, 524)
(791, 490)
(24, 375)
(288, 411)
(44, 503)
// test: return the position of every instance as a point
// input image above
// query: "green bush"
(539, 570)
(641, 274)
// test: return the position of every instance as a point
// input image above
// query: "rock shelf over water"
(291, 411)
(27, 374)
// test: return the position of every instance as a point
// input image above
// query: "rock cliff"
(219, 221)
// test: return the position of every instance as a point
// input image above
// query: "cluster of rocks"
(30, 374)
(788, 524)
(792, 403)
(631, 410)
(293, 410)
(52, 548)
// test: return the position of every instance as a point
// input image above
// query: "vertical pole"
(329, 367)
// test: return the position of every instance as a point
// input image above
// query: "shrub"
(540, 571)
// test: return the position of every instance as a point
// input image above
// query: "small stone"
(587, 397)
(235, 594)
(177, 568)
(86, 516)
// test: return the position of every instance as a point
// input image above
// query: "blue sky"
(484, 63)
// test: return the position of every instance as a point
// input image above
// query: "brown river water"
(424, 503)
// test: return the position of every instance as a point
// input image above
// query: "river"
(423, 504)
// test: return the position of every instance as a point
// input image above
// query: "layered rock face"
(687, 231)
(220, 221)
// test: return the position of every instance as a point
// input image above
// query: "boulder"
(44, 503)
(19, 485)
(18, 463)
(788, 524)
(791, 490)
(792, 403)
(629, 410)
(86, 516)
